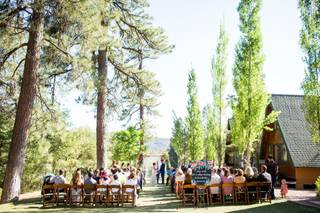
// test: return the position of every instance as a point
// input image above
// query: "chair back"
(226, 188)
(89, 188)
(114, 189)
(239, 186)
(252, 184)
(128, 188)
(48, 188)
(189, 186)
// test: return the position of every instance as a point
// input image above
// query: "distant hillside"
(158, 145)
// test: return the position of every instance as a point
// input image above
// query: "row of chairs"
(56, 194)
(241, 193)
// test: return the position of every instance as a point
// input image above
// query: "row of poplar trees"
(206, 138)
(195, 139)
(51, 44)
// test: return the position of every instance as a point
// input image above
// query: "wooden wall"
(306, 176)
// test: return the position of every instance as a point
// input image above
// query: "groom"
(162, 170)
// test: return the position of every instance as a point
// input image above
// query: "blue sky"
(193, 26)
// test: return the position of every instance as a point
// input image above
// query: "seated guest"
(96, 174)
(178, 178)
(59, 179)
(79, 170)
(115, 182)
(179, 175)
(76, 181)
(103, 178)
(249, 174)
(215, 179)
(90, 181)
(132, 180)
(255, 173)
(227, 178)
(239, 177)
(232, 172)
(264, 175)
(188, 181)
(219, 172)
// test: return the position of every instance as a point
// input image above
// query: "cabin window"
(270, 151)
(284, 153)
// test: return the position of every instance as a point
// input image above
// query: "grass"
(156, 199)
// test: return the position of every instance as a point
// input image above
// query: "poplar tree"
(218, 71)
(251, 98)
(193, 120)
(210, 133)
(310, 44)
(178, 140)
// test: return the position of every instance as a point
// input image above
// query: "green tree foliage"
(193, 120)
(251, 96)
(210, 133)
(310, 44)
(218, 70)
(126, 144)
(178, 140)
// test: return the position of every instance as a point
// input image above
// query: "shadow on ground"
(158, 199)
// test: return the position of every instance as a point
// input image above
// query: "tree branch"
(17, 67)
(58, 48)
(8, 54)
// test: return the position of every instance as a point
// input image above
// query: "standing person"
(162, 170)
(272, 169)
(154, 173)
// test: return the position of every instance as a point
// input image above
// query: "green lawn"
(155, 199)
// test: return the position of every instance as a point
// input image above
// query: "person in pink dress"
(284, 188)
(227, 178)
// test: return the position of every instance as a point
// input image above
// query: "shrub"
(317, 183)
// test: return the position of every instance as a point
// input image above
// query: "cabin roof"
(295, 130)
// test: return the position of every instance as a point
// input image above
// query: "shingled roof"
(295, 130)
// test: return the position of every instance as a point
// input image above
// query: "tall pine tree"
(251, 96)
(193, 120)
(310, 44)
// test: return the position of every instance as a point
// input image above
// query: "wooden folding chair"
(264, 192)
(226, 194)
(202, 195)
(179, 188)
(240, 193)
(189, 194)
(114, 194)
(88, 194)
(129, 194)
(215, 198)
(48, 195)
(252, 192)
(101, 195)
(75, 194)
(62, 193)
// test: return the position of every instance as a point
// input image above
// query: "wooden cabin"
(290, 143)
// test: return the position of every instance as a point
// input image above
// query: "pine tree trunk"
(101, 108)
(14, 169)
(141, 109)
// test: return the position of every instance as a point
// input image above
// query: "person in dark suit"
(272, 169)
(162, 170)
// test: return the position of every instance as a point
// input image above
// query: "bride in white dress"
(154, 171)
